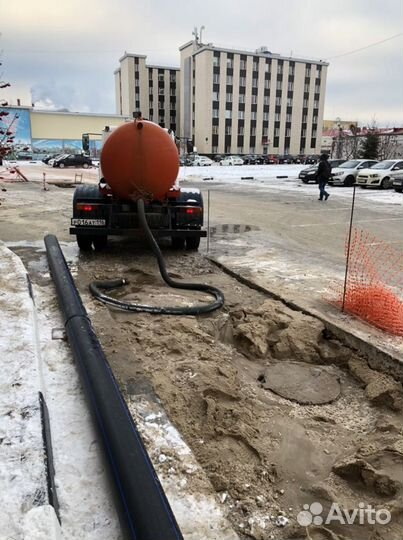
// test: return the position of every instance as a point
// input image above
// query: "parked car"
(398, 182)
(73, 160)
(285, 159)
(202, 161)
(312, 159)
(309, 174)
(52, 160)
(253, 159)
(346, 173)
(218, 157)
(270, 160)
(48, 157)
(380, 175)
(232, 160)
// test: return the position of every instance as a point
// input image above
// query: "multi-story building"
(239, 102)
(152, 90)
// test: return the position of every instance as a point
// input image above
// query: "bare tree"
(7, 125)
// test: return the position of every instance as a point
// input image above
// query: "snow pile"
(22, 468)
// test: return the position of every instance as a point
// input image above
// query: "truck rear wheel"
(192, 242)
(84, 242)
(178, 242)
(100, 242)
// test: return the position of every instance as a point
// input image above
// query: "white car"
(346, 173)
(202, 161)
(232, 160)
(381, 175)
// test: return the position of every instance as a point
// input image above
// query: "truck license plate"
(90, 222)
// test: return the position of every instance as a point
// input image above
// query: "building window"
(228, 114)
(265, 116)
(290, 86)
(216, 113)
(267, 67)
(265, 132)
(314, 120)
(252, 149)
(161, 78)
(216, 78)
(267, 84)
(216, 96)
(279, 68)
(253, 131)
(229, 98)
(313, 143)
(279, 85)
(241, 98)
(303, 133)
(276, 132)
(240, 149)
(308, 71)
(230, 63)
(277, 117)
(240, 130)
(215, 130)
(229, 79)
(315, 104)
(216, 61)
(255, 65)
(254, 83)
(278, 101)
(254, 99)
(289, 102)
(288, 117)
(253, 115)
(314, 133)
(242, 81)
(305, 105)
(228, 130)
(241, 115)
(288, 132)
(242, 64)
(291, 70)
(214, 149)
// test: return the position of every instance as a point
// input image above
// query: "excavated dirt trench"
(265, 455)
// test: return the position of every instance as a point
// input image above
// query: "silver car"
(346, 173)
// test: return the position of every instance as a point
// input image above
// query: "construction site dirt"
(269, 444)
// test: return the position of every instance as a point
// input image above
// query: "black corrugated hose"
(96, 287)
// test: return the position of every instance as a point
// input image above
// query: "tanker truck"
(139, 160)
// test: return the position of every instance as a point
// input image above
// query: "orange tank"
(140, 160)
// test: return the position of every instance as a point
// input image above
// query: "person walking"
(323, 175)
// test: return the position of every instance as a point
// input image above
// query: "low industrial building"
(38, 132)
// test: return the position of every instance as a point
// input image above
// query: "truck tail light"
(193, 210)
(85, 207)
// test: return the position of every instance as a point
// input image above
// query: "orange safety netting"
(374, 289)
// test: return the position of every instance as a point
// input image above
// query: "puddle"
(232, 229)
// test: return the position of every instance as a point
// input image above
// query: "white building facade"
(150, 89)
(239, 102)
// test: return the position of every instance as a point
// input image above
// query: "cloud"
(67, 52)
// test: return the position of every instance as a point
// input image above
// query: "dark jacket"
(324, 171)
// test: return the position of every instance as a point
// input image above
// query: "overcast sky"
(66, 52)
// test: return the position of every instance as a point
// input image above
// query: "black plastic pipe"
(146, 508)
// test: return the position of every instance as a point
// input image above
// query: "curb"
(378, 358)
